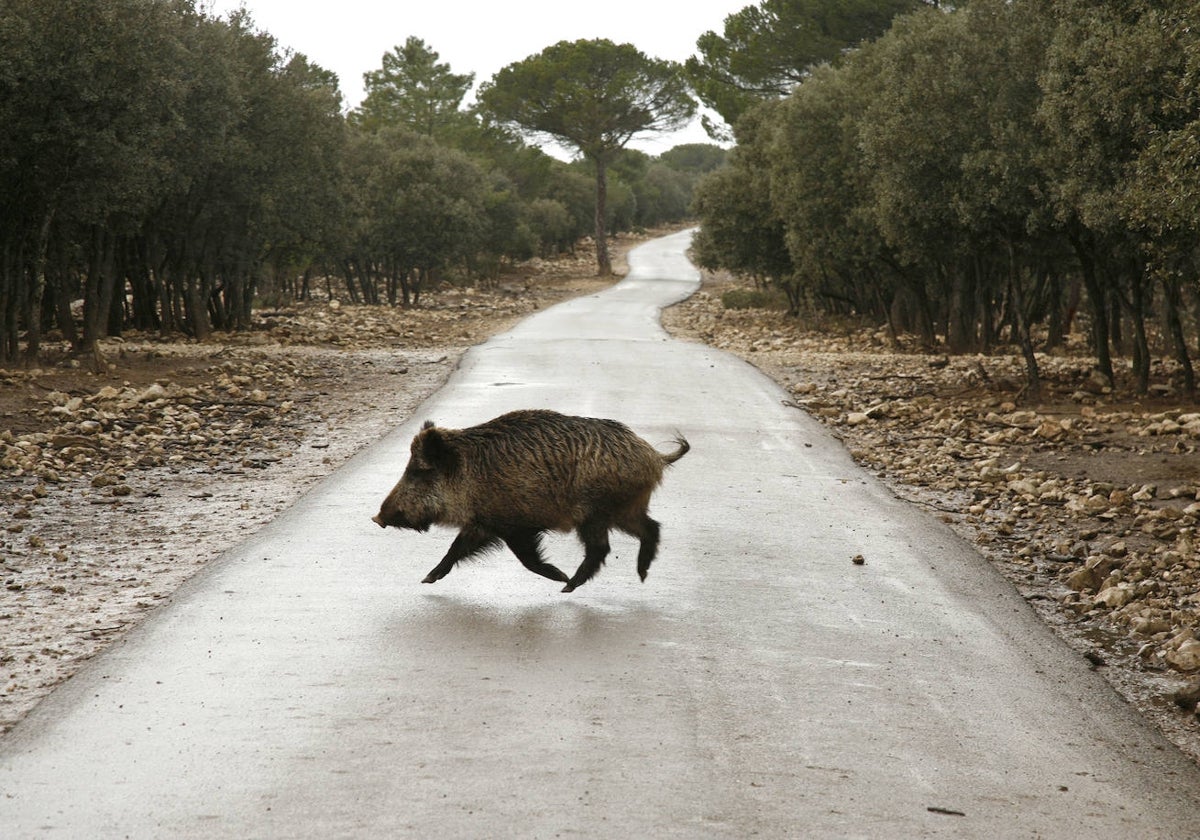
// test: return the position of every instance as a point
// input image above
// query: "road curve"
(759, 684)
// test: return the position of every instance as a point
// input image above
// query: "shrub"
(754, 299)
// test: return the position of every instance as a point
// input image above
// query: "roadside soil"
(122, 476)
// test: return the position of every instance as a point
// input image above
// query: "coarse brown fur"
(513, 478)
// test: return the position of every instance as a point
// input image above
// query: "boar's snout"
(392, 518)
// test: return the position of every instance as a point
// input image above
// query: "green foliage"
(594, 96)
(739, 230)
(575, 191)
(421, 208)
(152, 148)
(768, 49)
(695, 158)
(754, 299)
(967, 174)
(413, 90)
(556, 230)
(821, 186)
(87, 106)
(169, 168)
(663, 194)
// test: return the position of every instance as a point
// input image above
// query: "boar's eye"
(418, 470)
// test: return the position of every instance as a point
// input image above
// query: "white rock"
(1187, 657)
(1050, 430)
(1114, 596)
(1146, 494)
(154, 392)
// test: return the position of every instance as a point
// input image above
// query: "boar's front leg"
(469, 541)
(527, 545)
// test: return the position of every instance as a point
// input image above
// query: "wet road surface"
(759, 684)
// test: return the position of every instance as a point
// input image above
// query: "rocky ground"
(120, 483)
(1086, 500)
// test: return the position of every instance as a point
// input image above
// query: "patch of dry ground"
(118, 484)
(1087, 503)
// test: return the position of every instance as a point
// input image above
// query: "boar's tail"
(683, 447)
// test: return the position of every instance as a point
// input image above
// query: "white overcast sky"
(350, 37)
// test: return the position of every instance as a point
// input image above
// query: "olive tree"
(1116, 90)
(740, 230)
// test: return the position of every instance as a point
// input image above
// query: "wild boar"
(513, 478)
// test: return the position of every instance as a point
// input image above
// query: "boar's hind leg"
(646, 530)
(595, 548)
(527, 545)
(469, 541)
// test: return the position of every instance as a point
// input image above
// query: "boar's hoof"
(570, 587)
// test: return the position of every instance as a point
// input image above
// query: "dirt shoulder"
(1087, 503)
(119, 484)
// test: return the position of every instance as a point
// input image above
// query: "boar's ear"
(435, 450)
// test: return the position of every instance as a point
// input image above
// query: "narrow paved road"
(759, 684)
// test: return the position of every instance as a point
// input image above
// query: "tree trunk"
(170, 299)
(1057, 323)
(1174, 300)
(60, 288)
(1137, 306)
(922, 313)
(419, 278)
(248, 271)
(98, 289)
(1096, 297)
(603, 263)
(195, 307)
(10, 280)
(1033, 377)
(37, 288)
(143, 284)
(960, 326)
